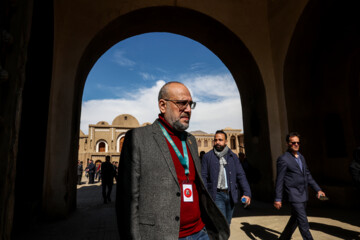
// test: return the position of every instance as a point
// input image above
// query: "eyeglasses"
(293, 143)
(182, 104)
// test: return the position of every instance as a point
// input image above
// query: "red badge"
(187, 193)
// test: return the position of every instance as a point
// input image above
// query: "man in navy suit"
(222, 173)
(293, 177)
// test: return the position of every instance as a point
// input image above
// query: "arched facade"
(205, 140)
(105, 139)
(109, 139)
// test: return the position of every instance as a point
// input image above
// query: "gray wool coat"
(148, 193)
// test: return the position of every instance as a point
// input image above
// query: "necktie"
(299, 162)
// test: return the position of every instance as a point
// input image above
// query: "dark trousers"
(298, 219)
(108, 185)
(91, 177)
(79, 179)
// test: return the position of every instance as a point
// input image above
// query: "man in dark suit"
(107, 179)
(222, 173)
(90, 169)
(293, 177)
(160, 193)
(79, 172)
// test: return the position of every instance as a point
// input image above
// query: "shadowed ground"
(95, 220)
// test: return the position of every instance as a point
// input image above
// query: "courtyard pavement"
(95, 220)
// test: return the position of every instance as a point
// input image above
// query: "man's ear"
(162, 105)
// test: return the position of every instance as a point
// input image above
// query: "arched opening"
(321, 86)
(223, 43)
(119, 143)
(196, 27)
(101, 146)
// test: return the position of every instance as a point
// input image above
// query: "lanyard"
(184, 160)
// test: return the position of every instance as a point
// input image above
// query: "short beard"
(179, 126)
(219, 148)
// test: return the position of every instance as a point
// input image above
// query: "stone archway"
(119, 142)
(212, 34)
(321, 86)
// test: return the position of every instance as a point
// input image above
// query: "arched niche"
(207, 31)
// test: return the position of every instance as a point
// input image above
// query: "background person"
(292, 180)
(221, 171)
(79, 172)
(90, 169)
(107, 179)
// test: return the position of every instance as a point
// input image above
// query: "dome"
(102, 123)
(126, 120)
(198, 132)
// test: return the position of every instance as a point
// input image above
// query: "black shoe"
(105, 201)
(109, 199)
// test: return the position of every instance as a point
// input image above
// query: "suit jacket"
(148, 193)
(235, 174)
(291, 180)
(79, 170)
(91, 168)
(107, 172)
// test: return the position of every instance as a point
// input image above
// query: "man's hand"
(277, 205)
(320, 193)
(248, 199)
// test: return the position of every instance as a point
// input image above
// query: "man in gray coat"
(160, 193)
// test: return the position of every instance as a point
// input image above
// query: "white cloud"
(120, 59)
(142, 105)
(222, 110)
(211, 86)
(147, 76)
(196, 66)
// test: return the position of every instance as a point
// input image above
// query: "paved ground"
(95, 220)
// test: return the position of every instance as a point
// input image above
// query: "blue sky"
(127, 78)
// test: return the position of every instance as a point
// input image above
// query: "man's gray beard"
(179, 126)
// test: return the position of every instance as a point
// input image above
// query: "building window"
(232, 142)
(119, 142)
(205, 143)
(199, 143)
(101, 146)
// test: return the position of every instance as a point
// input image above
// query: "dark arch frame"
(223, 43)
(320, 86)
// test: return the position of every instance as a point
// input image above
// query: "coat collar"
(161, 142)
(292, 157)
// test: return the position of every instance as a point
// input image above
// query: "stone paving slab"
(94, 220)
(263, 221)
